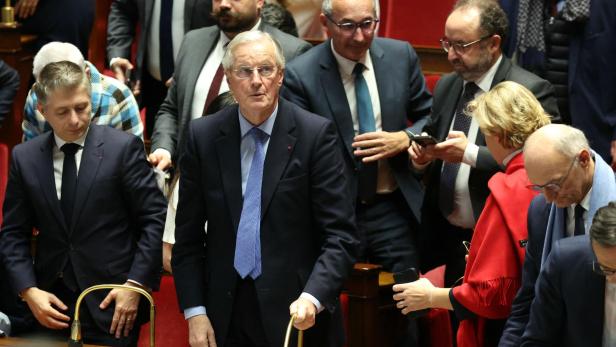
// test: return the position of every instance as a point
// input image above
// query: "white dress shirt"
(462, 214)
(153, 37)
(386, 183)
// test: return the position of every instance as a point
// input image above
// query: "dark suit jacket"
(446, 94)
(538, 213)
(308, 239)
(592, 73)
(125, 15)
(313, 82)
(117, 220)
(174, 114)
(568, 310)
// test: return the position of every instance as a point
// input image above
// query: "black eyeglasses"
(602, 270)
(459, 47)
(556, 186)
(367, 26)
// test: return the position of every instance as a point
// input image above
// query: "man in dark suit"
(163, 25)
(575, 182)
(458, 168)
(267, 177)
(575, 304)
(89, 191)
(199, 78)
(371, 88)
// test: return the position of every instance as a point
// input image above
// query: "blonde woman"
(506, 115)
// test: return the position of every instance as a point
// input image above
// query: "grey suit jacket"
(174, 114)
(125, 15)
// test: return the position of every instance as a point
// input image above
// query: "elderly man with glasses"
(460, 165)
(575, 182)
(575, 303)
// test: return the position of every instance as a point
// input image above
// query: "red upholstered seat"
(171, 327)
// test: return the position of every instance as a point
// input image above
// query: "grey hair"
(565, 139)
(603, 228)
(492, 19)
(60, 75)
(251, 36)
(54, 52)
(327, 7)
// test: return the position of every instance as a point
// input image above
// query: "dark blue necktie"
(367, 177)
(165, 40)
(69, 181)
(247, 260)
(462, 122)
(579, 220)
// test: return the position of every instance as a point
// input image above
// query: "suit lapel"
(385, 88)
(47, 178)
(189, 6)
(449, 107)
(336, 98)
(90, 162)
(210, 39)
(594, 298)
(502, 72)
(279, 151)
(228, 153)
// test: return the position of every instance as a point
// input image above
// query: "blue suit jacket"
(568, 309)
(117, 222)
(546, 225)
(313, 82)
(307, 233)
(592, 76)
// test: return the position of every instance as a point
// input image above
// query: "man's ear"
(323, 21)
(87, 71)
(584, 157)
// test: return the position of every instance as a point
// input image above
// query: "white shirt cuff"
(113, 60)
(313, 300)
(470, 154)
(194, 311)
(164, 152)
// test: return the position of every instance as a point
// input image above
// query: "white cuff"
(113, 60)
(194, 311)
(164, 152)
(470, 154)
(313, 300)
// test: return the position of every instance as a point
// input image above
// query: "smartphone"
(409, 275)
(424, 140)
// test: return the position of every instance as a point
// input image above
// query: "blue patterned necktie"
(367, 177)
(462, 123)
(247, 260)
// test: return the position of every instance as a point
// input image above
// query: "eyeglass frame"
(460, 48)
(373, 23)
(598, 269)
(252, 71)
(553, 187)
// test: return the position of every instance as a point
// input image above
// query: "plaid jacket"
(113, 104)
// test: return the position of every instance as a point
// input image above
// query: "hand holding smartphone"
(424, 140)
(405, 276)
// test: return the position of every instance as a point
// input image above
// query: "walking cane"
(300, 334)
(75, 340)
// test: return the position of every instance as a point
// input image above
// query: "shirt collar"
(80, 141)
(585, 203)
(266, 126)
(510, 156)
(347, 65)
(224, 39)
(485, 82)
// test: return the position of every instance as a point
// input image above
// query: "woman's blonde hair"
(510, 112)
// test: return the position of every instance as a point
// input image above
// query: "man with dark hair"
(575, 304)
(458, 168)
(90, 192)
(199, 77)
(575, 182)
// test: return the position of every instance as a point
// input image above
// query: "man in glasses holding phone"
(460, 165)
(575, 304)
(575, 182)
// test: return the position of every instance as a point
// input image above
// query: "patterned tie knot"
(358, 69)
(258, 135)
(70, 149)
(470, 89)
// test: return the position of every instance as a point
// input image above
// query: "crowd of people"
(287, 164)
